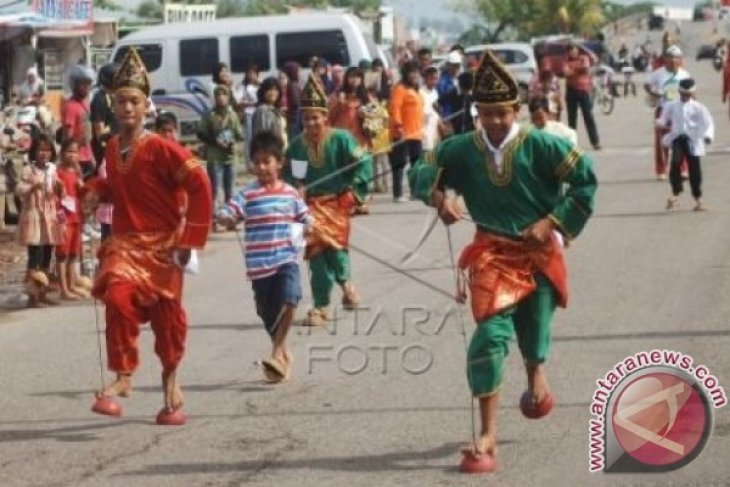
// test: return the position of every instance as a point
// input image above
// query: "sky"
(440, 8)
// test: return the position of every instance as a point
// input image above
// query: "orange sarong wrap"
(141, 259)
(139, 282)
(500, 272)
(331, 223)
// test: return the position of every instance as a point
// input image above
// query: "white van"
(180, 57)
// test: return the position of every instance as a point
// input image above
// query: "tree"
(230, 8)
(476, 34)
(501, 15)
(107, 4)
(150, 9)
(583, 17)
(530, 18)
(614, 11)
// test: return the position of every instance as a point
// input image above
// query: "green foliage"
(614, 11)
(107, 4)
(475, 35)
(150, 9)
(530, 18)
(230, 8)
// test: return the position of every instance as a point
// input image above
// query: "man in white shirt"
(662, 88)
(691, 129)
(542, 119)
(431, 118)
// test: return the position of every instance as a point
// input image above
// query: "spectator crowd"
(398, 114)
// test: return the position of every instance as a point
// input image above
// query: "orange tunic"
(406, 112)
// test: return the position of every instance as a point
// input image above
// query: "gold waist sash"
(143, 259)
(500, 272)
(331, 223)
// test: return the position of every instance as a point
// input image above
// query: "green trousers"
(529, 320)
(325, 269)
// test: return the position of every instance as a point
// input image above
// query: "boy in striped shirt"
(275, 217)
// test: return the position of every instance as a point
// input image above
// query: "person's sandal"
(316, 318)
(274, 370)
(350, 298)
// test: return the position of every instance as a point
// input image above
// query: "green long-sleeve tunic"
(337, 150)
(528, 186)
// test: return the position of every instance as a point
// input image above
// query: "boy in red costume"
(141, 275)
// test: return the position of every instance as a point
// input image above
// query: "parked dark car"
(703, 13)
(656, 22)
(706, 51)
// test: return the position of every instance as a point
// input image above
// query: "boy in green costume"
(316, 161)
(512, 180)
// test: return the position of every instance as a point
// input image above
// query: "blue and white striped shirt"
(272, 218)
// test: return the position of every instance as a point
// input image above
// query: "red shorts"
(70, 245)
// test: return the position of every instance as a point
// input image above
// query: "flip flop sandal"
(274, 371)
(315, 318)
(350, 299)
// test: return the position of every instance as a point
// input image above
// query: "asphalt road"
(641, 278)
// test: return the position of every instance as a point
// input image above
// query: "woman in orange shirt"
(406, 125)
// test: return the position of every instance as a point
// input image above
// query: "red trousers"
(661, 153)
(70, 245)
(125, 314)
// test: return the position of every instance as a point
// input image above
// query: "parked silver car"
(518, 57)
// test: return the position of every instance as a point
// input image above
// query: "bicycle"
(603, 95)
(603, 90)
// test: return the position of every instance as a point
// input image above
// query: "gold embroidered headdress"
(494, 85)
(132, 74)
(313, 95)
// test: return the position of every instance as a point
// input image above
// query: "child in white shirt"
(692, 128)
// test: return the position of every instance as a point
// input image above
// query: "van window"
(300, 46)
(247, 50)
(198, 57)
(510, 56)
(151, 55)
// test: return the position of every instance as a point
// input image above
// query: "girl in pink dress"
(37, 225)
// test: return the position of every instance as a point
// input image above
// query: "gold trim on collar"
(503, 177)
(316, 155)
